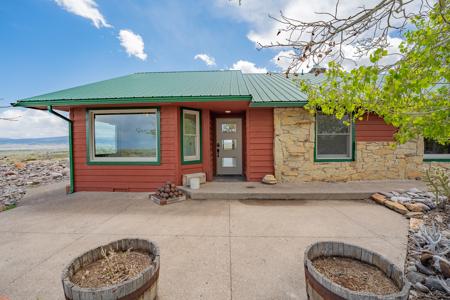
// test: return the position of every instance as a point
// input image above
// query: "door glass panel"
(228, 162)
(229, 144)
(229, 127)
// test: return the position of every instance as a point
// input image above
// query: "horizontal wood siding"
(127, 177)
(373, 128)
(259, 136)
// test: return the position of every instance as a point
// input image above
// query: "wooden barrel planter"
(319, 287)
(143, 286)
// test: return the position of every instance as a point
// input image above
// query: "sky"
(49, 45)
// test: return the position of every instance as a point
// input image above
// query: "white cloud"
(208, 60)
(283, 59)
(264, 30)
(85, 8)
(31, 123)
(247, 67)
(132, 43)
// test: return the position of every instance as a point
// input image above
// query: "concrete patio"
(217, 249)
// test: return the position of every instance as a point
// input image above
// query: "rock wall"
(374, 160)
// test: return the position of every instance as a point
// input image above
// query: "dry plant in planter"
(124, 269)
(437, 179)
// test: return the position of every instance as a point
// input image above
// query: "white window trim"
(196, 157)
(92, 156)
(333, 156)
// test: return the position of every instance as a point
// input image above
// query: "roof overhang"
(131, 100)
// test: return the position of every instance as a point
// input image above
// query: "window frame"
(90, 134)
(445, 157)
(193, 159)
(336, 158)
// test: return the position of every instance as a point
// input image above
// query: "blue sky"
(46, 48)
(48, 45)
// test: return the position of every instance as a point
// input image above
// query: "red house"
(135, 132)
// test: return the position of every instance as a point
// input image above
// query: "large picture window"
(333, 139)
(436, 151)
(191, 139)
(124, 135)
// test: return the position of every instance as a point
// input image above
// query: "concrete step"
(354, 190)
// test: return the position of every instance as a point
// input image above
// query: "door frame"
(214, 117)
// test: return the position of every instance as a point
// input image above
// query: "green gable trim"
(190, 162)
(123, 163)
(75, 102)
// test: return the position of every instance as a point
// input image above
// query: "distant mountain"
(35, 141)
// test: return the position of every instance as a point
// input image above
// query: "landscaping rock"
(416, 207)
(415, 223)
(417, 215)
(15, 176)
(379, 198)
(400, 208)
(269, 179)
(421, 287)
(415, 277)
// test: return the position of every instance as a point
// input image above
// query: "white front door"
(229, 146)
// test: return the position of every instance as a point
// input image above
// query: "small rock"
(420, 287)
(403, 199)
(416, 207)
(417, 215)
(415, 223)
(439, 219)
(422, 269)
(445, 268)
(414, 190)
(269, 179)
(19, 165)
(400, 208)
(66, 171)
(55, 175)
(433, 284)
(378, 198)
(411, 268)
(415, 277)
(386, 194)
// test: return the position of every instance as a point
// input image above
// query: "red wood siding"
(259, 137)
(373, 128)
(126, 177)
(139, 177)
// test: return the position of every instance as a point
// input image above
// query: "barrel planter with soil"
(126, 269)
(336, 270)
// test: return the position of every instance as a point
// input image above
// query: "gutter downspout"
(50, 110)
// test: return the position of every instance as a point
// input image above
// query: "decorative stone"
(400, 208)
(417, 215)
(269, 179)
(378, 198)
(415, 223)
(415, 277)
(416, 207)
(420, 287)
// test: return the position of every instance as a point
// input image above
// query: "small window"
(436, 151)
(123, 135)
(229, 128)
(333, 138)
(191, 130)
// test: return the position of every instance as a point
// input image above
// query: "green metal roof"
(153, 87)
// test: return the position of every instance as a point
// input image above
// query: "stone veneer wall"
(375, 160)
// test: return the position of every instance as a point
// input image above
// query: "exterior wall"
(375, 158)
(138, 177)
(259, 139)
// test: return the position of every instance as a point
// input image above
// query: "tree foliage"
(412, 94)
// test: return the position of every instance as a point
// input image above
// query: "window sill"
(333, 159)
(191, 162)
(124, 163)
(444, 159)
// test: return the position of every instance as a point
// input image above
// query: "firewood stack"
(168, 193)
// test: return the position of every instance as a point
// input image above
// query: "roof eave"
(130, 100)
(279, 104)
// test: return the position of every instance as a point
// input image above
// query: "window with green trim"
(333, 138)
(435, 151)
(124, 135)
(191, 130)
